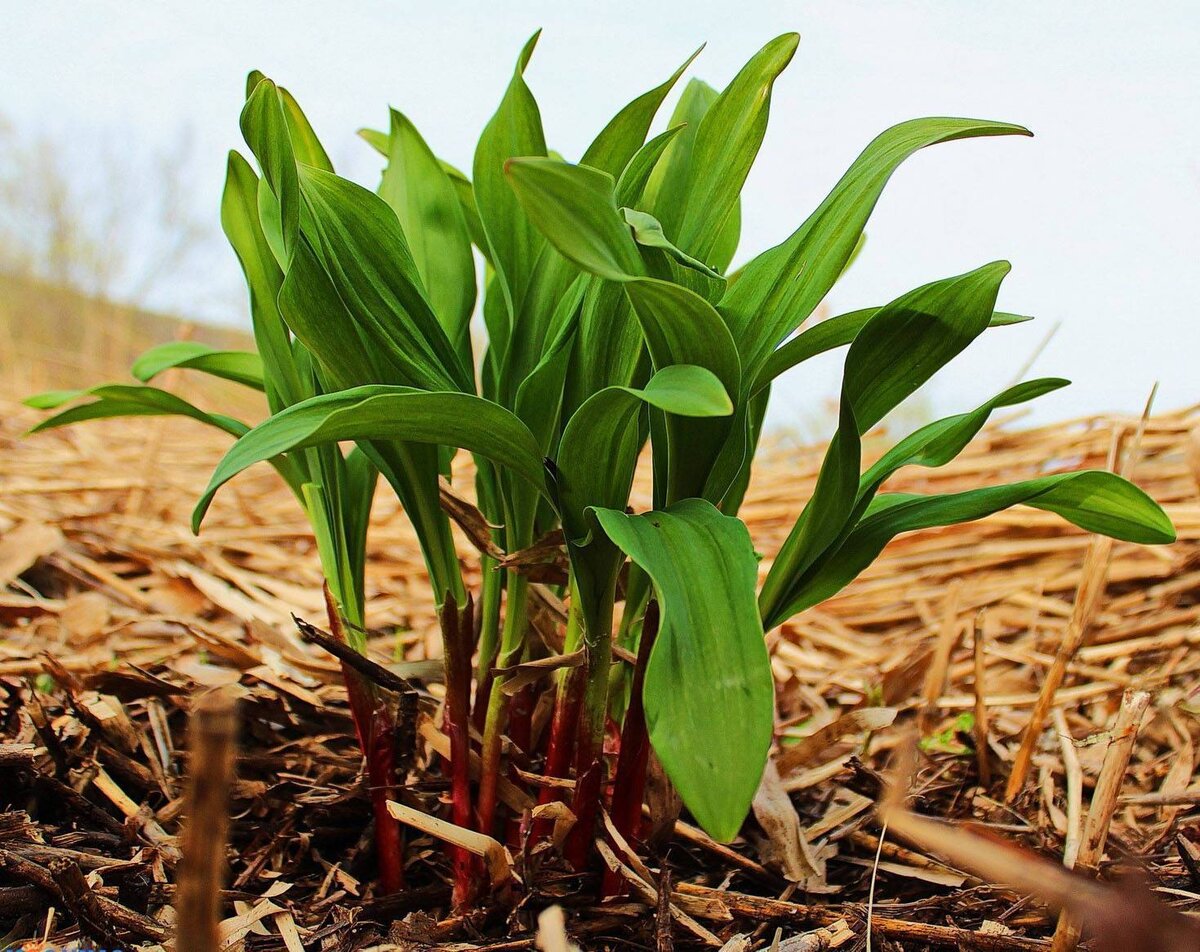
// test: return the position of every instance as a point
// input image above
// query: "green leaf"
(384, 413)
(240, 366)
(780, 288)
(632, 182)
(726, 145)
(709, 694)
(666, 191)
(606, 424)
(243, 227)
(358, 241)
(573, 206)
(515, 130)
(125, 400)
(648, 232)
(306, 146)
(897, 350)
(837, 332)
(265, 129)
(620, 140)
(426, 202)
(1093, 500)
(682, 328)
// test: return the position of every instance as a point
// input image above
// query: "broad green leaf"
(897, 350)
(709, 695)
(666, 191)
(466, 201)
(780, 288)
(125, 400)
(265, 128)
(934, 444)
(240, 366)
(726, 145)
(306, 146)
(726, 245)
(574, 208)
(1093, 500)
(682, 328)
(515, 130)
(426, 202)
(606, 424)
(318, 316)
(243, 227)
(359, 242)
(837, 332)
(620, 140)
(384, 413)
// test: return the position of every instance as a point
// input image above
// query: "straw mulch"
(116, 620)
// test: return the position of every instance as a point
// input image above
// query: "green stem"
(489, 634)
(512, 645)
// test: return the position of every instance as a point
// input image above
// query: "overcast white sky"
(1098, 213)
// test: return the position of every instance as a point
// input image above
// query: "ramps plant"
(614, 322)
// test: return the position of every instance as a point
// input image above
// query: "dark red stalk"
(560, 747)
(589, 746)
(458, 642)
(520, 732)
(483, 694)
(376, 730)
(589, 777)
(629, 787)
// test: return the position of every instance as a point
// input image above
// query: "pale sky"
(1098, 213)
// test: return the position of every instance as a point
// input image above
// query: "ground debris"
(115, 622)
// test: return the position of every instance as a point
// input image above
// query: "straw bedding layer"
(114, 619)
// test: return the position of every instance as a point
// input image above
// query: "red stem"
(520, 732)
(629, 787)
(376, 729)
(458, 642)
(589, 776)
(560, 747)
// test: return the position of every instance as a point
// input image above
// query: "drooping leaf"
(574, 207)
(895, 352)
(932, 445)
(384, 413)
(780, 288)
(1093, 500)
(647, 232)
(240, 366)
(124, 400)
(709, 694)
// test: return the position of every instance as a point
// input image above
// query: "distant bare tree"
(103, 220)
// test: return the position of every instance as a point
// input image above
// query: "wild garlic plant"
(613, 322)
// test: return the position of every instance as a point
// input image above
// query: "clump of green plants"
(614, 323)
